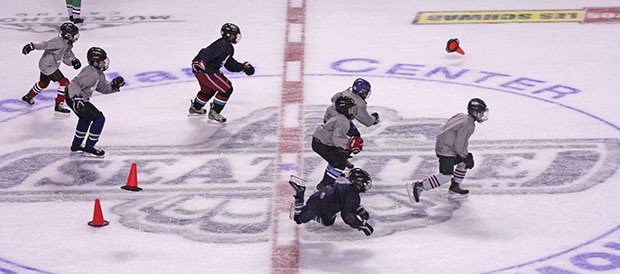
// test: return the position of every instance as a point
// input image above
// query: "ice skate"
(77, 149)
(299, 185)
(413, 191)
(216, 117)
(194, 112)
(61, 110)
(28, 99)
(456, 192)
(76, 20)
(93, 152)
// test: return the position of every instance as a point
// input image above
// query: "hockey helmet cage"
(478, 109)
(69, 32)
(345, 105)
(360, 179)
(361, 87)
(98, 58)
(231, 32)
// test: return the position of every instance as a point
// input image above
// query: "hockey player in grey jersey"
(451, 149)
(55, 51)
(331, 142)
(79, 92)
(359, 91)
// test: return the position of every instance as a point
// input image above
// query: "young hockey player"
(324, 204)
(451, 149)
(79, 91)
(56, 50)
(331, 142)
(359, 91)
(206, 67)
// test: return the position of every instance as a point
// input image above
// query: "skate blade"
(194, 115)
(455, 196)
(291, 213)
(61, 115)
(88, 155)
(298, 180)
(76, 153)
(213, 122)
(410, 192)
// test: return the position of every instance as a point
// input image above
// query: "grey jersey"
(453, 137)
(87, 81)
(362, 113)
(56, 50)
(334, 131)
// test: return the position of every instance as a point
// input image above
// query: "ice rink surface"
(544, 191)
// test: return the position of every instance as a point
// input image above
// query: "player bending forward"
(331, 142)
(359, 92)
(206, 68)
(324, 204)
(451, 149)
(80, 90)
(56, 50)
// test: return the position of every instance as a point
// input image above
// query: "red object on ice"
(453, 45)
(98, 220)
(132, 180)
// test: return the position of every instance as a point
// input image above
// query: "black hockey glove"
(198, 66)
(78, 103)
(28, 48)
(469, 161)
(248, 68)
(366, 228)
(118, 82)
(76, 64)
(376, 117)
(362, 213)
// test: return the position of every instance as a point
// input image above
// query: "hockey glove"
(362, 213)
(118, 82)
(355, 144)
(469, 161)
(76, 64)
(248, 68)
(366, 228)
(78, 104)
(28, 48)
(376, 115)
(198, 66)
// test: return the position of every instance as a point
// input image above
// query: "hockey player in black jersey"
(206, 68)
(324, 204)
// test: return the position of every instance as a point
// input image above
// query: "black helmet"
(231, 32)
(360, 179)
(69, 32)
(98, 58)
(478, 109)
(344, 104)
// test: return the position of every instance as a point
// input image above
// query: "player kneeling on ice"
(324, 204)
(451, 149)
(56, 50)
(206, 67)
(331, 142)
(79, 91)
(359, 92)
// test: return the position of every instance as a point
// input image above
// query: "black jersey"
(218, 54)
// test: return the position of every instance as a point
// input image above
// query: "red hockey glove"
(355, 144)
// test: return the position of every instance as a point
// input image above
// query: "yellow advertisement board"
(500, 16)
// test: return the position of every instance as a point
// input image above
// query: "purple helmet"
(361, 87)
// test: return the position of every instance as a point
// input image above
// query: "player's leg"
(203, 96)
(60, 106)
(457, 177)
(336, 161)
(91, 113)
(224, 90)
(44, 81)
(76, 12)
(446, 169)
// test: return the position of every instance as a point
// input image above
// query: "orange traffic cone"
(453, 45)
(132, 180)
(98, 220)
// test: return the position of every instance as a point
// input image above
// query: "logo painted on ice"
(209, 199)
(50, 22)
